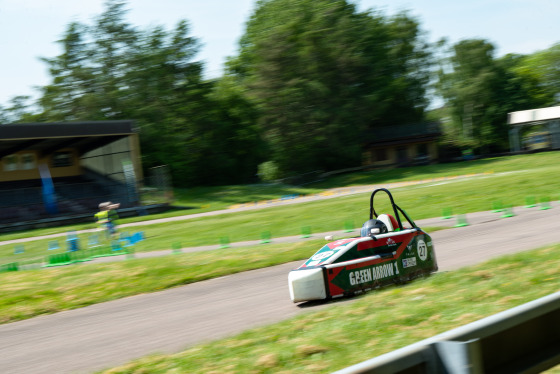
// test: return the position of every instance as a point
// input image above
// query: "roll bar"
(396, 209)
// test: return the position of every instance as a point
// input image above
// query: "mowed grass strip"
(26, 294)
(378, 322)
(536, 177)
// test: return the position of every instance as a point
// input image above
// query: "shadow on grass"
(174, 208)
(384, 175)
(238, 194)
(338, 300)
(358, 295)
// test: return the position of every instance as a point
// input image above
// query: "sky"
(29, 29)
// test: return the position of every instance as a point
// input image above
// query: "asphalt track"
(113, 333)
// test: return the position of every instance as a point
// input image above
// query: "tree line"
(311, 81)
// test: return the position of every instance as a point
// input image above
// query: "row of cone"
(266, 237)
(497, 207)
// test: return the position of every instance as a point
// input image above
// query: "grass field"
(292, 347)
(376, 323)
(511, 181)
(535, 174)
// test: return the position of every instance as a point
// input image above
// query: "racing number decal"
(422, 250)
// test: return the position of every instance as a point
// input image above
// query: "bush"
(268, 171)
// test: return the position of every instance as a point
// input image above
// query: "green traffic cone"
(224, 242)
(508, 212)
(530, 202)
(265, 237)
(545, 204)
(176, 247)
(497, 207)
(461, 220)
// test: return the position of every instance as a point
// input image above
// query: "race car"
(386, 252)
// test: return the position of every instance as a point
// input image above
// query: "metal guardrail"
(524, 339)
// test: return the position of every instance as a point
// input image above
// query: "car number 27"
(422, 250)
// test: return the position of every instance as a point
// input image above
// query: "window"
(402, 155)
(380, 154)
(422, 149)
(61, 159)
(10, 163)
(27, 161)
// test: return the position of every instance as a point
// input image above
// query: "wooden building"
(402, 145)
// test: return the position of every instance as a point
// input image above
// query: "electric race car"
(386, 252)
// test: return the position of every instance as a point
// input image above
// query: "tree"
(540, 70)
(111, 70)
(482, 90)
(19, 110)
(70, 95)
(521, 91)
(237, 145)
(88, 77)
(114, 42)
(166, 94)
(321, 74)
(3, 115)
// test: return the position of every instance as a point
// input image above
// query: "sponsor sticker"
(409, 249)
(409, 262)
(322, 255)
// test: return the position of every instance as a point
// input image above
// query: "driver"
(373, 227)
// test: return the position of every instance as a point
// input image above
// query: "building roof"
(50, 137)
(533, 116)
